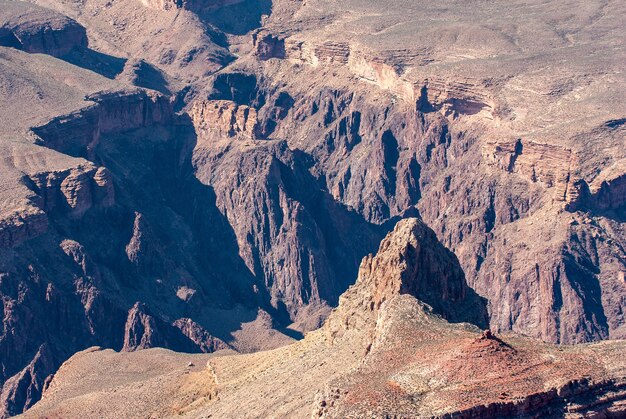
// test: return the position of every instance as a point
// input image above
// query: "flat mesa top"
(36, 88)
(543, 64)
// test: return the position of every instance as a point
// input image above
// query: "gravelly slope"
(381, 353)
(205, 174)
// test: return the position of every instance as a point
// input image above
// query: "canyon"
(210, 177)
(382, 352)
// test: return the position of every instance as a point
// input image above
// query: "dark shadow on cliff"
(239, 18)
(103, 64)
(241, 88)
(142, 74)
(582, 275)
(193, 239)
(185, 243)
(347, 236)
(165, 251)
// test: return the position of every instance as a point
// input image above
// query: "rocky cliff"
(410, 261)
(388, 160)
(381, 353)
(207, 175)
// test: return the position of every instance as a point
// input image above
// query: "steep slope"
(459, 115)
(109, 236)
(232, 209)
(391, 118)
(39, 30)
(381, 353)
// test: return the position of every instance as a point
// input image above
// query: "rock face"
(64, 285)
(381, 353)
(143, 330)
(19, 227)
(605, 193)
(132, 251)
(546, 164)
(386, 161)
(208, 175)
(38, 30)
(77, 134)
(295, 240)
(410, 261)
(223, 119)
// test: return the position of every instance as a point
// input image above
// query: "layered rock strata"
(328, 124)
(381, 353)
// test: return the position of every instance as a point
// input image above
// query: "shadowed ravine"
(213, 175)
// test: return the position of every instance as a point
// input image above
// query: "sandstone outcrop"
(267, 45)
(78, 133)
(20, 226)
(546, 164)
(104, 190)
(71, 192)
(410, 261)
(455, 98)
(221, 119)
(607, 192)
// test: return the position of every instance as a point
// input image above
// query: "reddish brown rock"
(104, 190)
(410, 261)
(220, 119)
(268, 46)
(367, 117)
(397, 358)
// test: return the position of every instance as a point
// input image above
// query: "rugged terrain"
(381, 353)
(206, 175)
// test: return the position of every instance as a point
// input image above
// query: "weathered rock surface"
(410, 261)
(294, 238)
(287, 138)
(39, 30)
(223, 119)
(381, 353)
(386, 161)
(77, 134)
(454, 136)
(122, 209)
(546, 164)
(66, 281)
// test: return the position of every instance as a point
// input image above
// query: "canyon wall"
(487, 200)
(232, 209)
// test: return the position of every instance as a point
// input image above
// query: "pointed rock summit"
(410, 261)
(391, 349)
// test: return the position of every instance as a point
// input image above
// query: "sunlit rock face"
(210, 175)
(382, 352)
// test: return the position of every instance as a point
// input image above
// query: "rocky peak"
(410, 261)
(144, 330)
